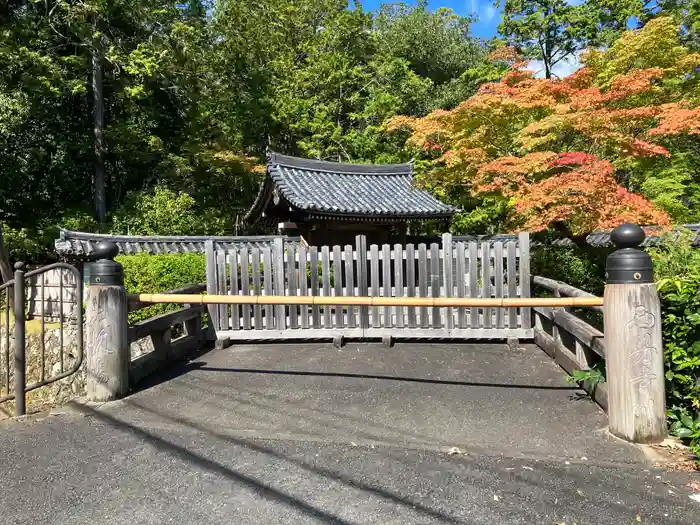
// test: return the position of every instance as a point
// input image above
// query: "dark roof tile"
(331, 188)
(81, 244)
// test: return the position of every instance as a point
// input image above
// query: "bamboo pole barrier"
(560, 302)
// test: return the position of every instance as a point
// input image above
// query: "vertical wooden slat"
(257, 309)
(234, 276)
(435, 281)
(398, 283)
(313, 271)
(338, 284)
(212, 287)
(292, 286)
(423, 283)
(326, 282)
(386, 282)
(473, 282)
(461, 278)
(374, 271)
(486, 280)
(278, 265)
(447, 269)
(498, 275)
(362, 281)
(267, 287)
(245, 286)
(524, 243)
(221, 288)
(411, 282)
(349, 285)
(303, 287)
(512, 284)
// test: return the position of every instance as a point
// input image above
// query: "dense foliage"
(192, 94)
(677, 267)
(614, 142)
(144, 273)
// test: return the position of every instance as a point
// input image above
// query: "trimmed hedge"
(146, 273)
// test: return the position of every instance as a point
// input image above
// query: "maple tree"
(614, 142)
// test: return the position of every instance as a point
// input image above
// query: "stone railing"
(164, 339)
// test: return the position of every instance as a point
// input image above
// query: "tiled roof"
(337, 189)
(599, 239)
(602, 239)
(82, 244)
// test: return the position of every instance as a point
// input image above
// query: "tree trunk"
(98, 113)
(5, 267)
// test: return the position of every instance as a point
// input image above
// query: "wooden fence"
(450, 269)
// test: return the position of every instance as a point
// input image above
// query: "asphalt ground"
(305, 433)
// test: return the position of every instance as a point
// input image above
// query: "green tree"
(46, 99)
(316, 78)
(553, 30)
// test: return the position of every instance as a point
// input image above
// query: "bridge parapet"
(486, 298)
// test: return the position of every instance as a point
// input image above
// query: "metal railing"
(13, 329)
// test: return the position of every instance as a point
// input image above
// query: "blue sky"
(489, 16)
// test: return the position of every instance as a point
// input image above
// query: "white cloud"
(490, 12)
(562, 69)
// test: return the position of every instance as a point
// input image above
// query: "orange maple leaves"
(581, 191)
(576, 188)
(503, 141)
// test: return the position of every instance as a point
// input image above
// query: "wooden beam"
(372, 301)
(588, 335)
(567, 360)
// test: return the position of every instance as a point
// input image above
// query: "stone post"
(634, 352)
(108, 353)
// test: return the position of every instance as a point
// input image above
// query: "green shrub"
(145, 273)
(677, 270)
(581, 267)
(164, 212)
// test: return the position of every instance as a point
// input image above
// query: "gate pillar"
(108, 354)
(634, 352)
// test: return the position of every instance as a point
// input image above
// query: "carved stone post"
(108, 354)
(634, 359)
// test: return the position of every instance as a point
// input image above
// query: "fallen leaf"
(638, 518)
(584, 458)
(694, 485)
(580, 492)
(528, 468)
(454, 451)
(496, 498)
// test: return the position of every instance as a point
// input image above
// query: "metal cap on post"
(108, 354)
(633, 341)
(105, 270)
(628, 264)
